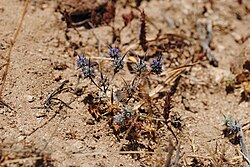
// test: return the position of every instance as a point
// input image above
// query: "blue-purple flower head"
(81, 62)
(87, 69)
(114, 52)
(156, 65)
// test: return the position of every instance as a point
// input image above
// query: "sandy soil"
(43, 57)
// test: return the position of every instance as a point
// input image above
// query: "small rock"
(237, 37)
(220, 48)
(30, 98)
(20, 138)
(58, 78)
(44, 6)
(219, 75)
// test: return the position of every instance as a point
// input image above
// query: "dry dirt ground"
(43, 57)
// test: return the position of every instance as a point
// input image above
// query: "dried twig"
(111, 152)
(243, 147)
(246, 158)
(12, 43)
(5, 104)
(206, 38)
(170, 153)
(51, 97)
(177, 157)
(233, 127)
(39, 127)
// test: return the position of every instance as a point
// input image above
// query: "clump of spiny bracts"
(232, 129)
(140, 67)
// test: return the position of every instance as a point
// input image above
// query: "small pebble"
(20, 138)
(30, 98)
(237, 37)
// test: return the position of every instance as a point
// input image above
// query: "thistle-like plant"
(87, 69)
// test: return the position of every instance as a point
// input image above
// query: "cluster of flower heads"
(118, 62)
(85, 66)
(140, 66)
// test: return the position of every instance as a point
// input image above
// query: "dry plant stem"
(243, 147)
(55, 92)
(6, 105)
(206, 38)
(128, 131)
(246, 158)
(13, 41)
(169, 78)
(118, 152)
(177, 155)
(52, 134)
(7, 162)
(170, 153)
(70, 23)
(93, 81)
(199, 156)
(213, 155)
(39, 127)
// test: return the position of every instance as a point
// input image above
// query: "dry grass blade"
(243, 147)
(111, 152)
(170, 76)
(12, 43)
(200, 157)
